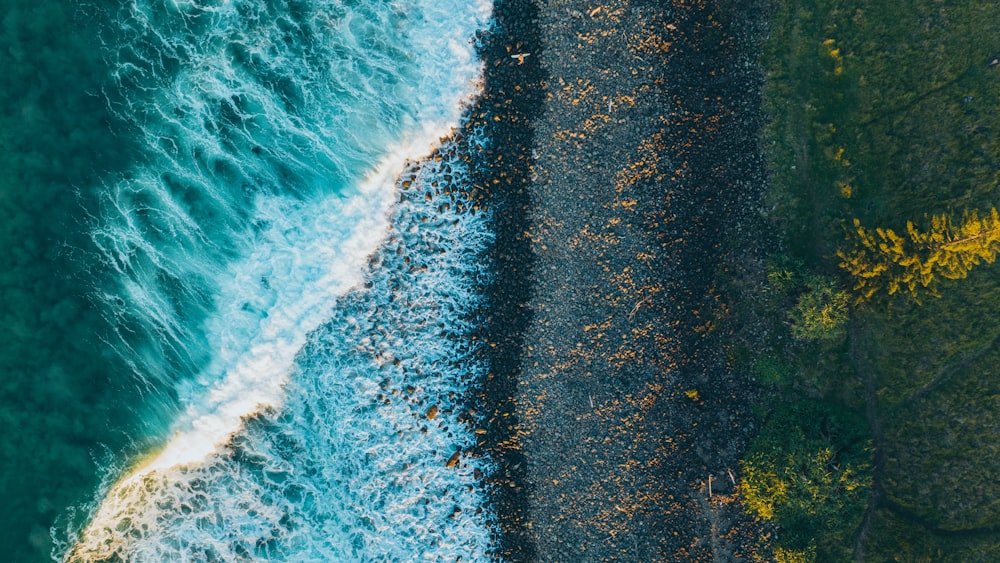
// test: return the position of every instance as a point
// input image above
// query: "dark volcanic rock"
(624, 162)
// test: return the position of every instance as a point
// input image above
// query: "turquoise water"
(238, 340)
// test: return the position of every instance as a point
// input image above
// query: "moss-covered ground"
(888, 111)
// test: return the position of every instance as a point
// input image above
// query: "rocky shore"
(624, 175)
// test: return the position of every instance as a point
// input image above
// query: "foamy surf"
(304, 427)
(359, 463)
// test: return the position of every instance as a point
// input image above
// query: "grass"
(888, 111)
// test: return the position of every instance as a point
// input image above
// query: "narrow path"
(952, 366)
(875, 497)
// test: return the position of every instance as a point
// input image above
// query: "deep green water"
(61, 395)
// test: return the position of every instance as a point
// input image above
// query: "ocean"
(243, 270)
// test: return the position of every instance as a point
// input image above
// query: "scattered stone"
(612, 207)
(453, 460)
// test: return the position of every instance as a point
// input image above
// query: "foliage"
(785, 273)
(885, 261)
(782, 555)
(821, 312)
(772, 370)
(809, 470)
(908, 127)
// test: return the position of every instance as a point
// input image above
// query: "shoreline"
(510, 103)
(623, 168)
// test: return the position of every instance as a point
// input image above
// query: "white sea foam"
(275, 135)
(350, 467)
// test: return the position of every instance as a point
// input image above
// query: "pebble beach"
(625, 179)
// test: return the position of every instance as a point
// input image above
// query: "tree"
(809, 471)
(885, 261)
(821, 312)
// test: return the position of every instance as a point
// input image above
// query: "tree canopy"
(809, 471)
(883, 260)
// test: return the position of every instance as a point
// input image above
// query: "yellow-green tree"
(883, 260)
(809, 471)
(821, 312)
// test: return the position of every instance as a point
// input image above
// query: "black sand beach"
(625, 177)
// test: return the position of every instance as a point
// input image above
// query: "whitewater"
(293, 269)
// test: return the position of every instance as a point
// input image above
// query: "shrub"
(821, 312)
(809, 471)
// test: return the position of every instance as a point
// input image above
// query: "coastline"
(511, 102)
(624, 176)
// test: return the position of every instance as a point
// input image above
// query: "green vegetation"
(821, 312)
(882, 113)
(818, 307)
(809, 470)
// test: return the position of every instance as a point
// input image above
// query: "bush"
(810, 471)
(821, 312)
